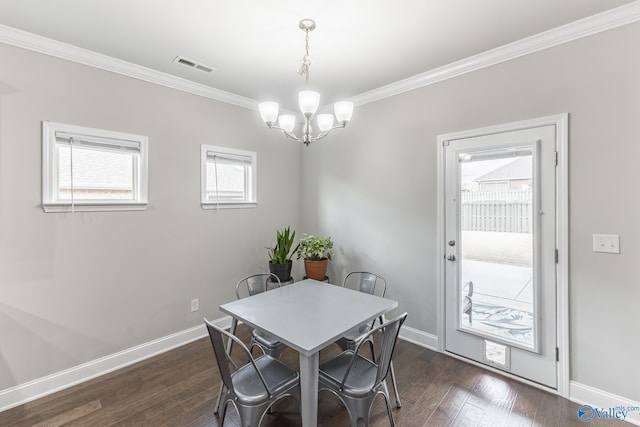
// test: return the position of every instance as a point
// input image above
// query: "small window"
(228, 177)
(88, 169)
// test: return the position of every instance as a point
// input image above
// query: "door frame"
(561, 122)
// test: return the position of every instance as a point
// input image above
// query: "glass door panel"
(496, 244)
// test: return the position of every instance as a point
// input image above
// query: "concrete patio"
(499, 265)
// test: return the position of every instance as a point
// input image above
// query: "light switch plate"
(608, 243)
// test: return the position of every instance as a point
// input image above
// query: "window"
(228, 178)
(88, 169)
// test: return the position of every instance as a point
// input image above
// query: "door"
(500, 233)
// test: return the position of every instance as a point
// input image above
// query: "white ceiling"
(253, 45)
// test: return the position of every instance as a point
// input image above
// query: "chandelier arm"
(326, 132)
(320, 136)
(292, 136)
(286, 133)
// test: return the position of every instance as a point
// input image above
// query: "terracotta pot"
(316, 270)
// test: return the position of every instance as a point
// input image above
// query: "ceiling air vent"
(192, 64)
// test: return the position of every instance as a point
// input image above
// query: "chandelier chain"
(306, 62)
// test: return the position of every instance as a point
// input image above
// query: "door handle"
(451, 257)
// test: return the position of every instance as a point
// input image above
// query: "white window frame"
(206, 152)
(50, 201)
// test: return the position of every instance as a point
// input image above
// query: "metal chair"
(356, 380)
(467, 300)
(371, 284)
(248, 286)
(253, 285)
(254, 387)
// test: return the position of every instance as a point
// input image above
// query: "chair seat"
(265, 339)
(361, 378)
(277, 375)
(357, 333)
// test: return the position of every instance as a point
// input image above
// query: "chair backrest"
(255, 284)
(390, 331)
(223, 358)
(364, 281)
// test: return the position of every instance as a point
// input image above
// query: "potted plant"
(280, 255)
(316, 251)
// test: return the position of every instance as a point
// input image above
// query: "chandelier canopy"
(308, 101)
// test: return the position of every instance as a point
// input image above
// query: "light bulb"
(309, 102)
(343, 110)
(325, 122)
(287, 122)
(268, 111)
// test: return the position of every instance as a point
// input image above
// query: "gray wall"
(372, 187)
(77, 287)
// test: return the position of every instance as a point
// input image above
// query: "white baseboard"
(40, 387)
(32, 390)
(578, 393)
(14, 396)
(586, 395)
(418, 337)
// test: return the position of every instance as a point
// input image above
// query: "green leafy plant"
(282, 252)
(315, 248)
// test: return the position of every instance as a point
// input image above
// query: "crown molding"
(604, 21)
(591, 25)
(36, 43)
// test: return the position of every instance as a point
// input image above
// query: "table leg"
(309, 389)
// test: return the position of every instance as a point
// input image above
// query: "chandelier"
(308, 101)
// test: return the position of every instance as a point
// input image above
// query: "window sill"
(93, 207)
(227, 205)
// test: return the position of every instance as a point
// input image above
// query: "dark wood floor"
(179, 388)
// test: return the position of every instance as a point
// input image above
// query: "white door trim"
(561, 122)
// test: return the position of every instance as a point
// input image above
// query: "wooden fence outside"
(499, 211)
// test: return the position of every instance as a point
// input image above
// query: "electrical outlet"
(608, 243)
(195, 305)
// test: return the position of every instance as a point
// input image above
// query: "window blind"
(495, 154)
(98, 143)
(228, 159)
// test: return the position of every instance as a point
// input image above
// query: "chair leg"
(359, 410)
(224, 411)
(395, 386)
(217, 407)
(387, 401)
(251, 416)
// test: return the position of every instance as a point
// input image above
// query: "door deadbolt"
(451, 242)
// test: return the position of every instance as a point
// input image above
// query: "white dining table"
(307, 316)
